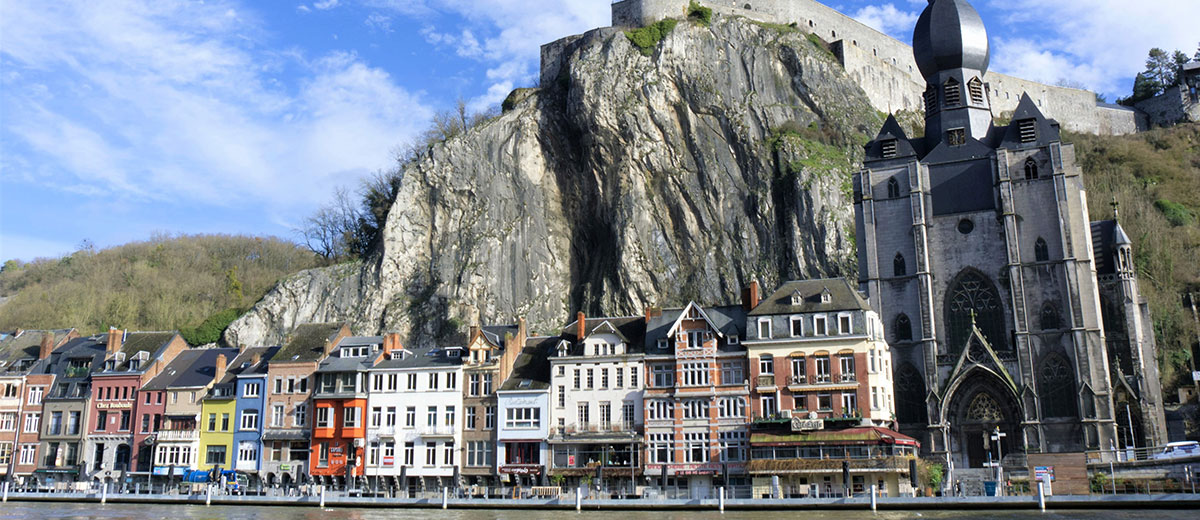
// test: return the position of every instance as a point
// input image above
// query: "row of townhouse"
(775, 395)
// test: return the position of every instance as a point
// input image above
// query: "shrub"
(646, 39)
(210, 331)
(1177, 214)
(699, 13)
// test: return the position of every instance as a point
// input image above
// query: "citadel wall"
(885, 67)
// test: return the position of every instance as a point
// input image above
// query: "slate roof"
(531, 370)
(496, 333)
(135, 342)
(422, 357)
(730, 320)
(19, 354)
(1107, 235)
(307, 342)
(631, 328)
(91, 349)
(843, 297)
(360, 341)
(241, 365)
(190, 369)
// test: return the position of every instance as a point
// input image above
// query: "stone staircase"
(970, 480)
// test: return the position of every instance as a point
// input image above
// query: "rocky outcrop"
(631, 180)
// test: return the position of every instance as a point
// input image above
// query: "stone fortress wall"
(885, 67)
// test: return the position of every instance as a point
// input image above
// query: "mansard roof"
(842, 297)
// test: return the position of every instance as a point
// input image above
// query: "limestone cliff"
(628, 180)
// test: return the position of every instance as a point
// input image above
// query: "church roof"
(950, 35)
(1107, 235)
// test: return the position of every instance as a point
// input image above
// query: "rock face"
(631, 180)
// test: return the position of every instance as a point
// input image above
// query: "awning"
(285, 435)
(859, 436)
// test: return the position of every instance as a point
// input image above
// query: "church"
(1006, 307)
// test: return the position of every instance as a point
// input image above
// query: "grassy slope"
(1140, 170)
(159, 284)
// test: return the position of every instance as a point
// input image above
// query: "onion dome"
(950, 35)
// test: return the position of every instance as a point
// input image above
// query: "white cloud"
(1100, 43)
(889, 20)
(325, 4)
(176, 103)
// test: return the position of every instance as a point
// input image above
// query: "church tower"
(975, 247)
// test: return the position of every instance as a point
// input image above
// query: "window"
(412, 382)
(695, 409)
(1057, 382)
(215, 455)
(658, 410)
(35, 395)
(846, 367)
(291, 384)
(430, 454)
(431, 416)
(247, 452)
(956, 137)
(390, 418)
(393, 382)
(473, 384)
(844, 324)
(798, 372)
(410, 417)
(731, 408)
(1050, 319)
(770, 405)
(451, 381)
(6, 450)
(874, 398)
(819, 326)
(732, 373)
(323, 416)
(695, 447)
(351, 417)
(584, 409)
(300, 415)
(448, 454)
(971, 293)
(373, 454)
(1027, 130)
(450, 416)
(323, 454)
(33, 419)
(224, 422)
(822, 368)
(55, 423)
(953, 91)
(603, 378)
(28, 454)
(633, 377)
(766, 364)
(733, 446)
(902, 330)
(628, 416)
(849, 403)
(487, 384)
(578, 381)
(660, 448)
(764, 328)
(433, 381)
(695, 374)
(975, 89)
(249, 420)
(277, 416)
(479, 453)
(620, 378)
(471, 417)
(1031, 169)
(523, 418)
(389, 453)
(408, 453)
(889, 150)
(250, 390)
(825, 402)
(278, 385)
(663, 376)
(898, 267)
(797, 326)
(931, 104)
(590, 379)
(489, 417)
(73, 423)
(1041, 252)
(101, 420)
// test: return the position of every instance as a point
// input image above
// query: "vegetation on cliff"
(1155, 179)
(195, 284)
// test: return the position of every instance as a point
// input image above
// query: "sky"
(120, 120)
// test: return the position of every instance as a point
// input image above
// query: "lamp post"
(998, 437)
(1112, 472)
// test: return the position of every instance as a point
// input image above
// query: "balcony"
(177, 435)
(822, 379)
(765, 383)
(847, 378)
(797, 380)
(436, 431)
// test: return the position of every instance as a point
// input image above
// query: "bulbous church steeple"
(950, 46)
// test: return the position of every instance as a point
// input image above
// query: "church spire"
(950, 46)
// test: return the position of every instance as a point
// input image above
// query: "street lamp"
(997, 437)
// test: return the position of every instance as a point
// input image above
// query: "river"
(57, 511)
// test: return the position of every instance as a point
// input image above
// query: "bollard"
(6, 491)
(322, 497)
(208, 496)
(873, 497)
(445, 496)
(579, 498)
(104, 494)
(721, 499)
(1041, 495)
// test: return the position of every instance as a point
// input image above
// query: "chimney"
(115, 337)
(254, 361)
(750, 296)
(220, 370)
(47, 345)
(580, 325)
(474, 332)
(391, 342)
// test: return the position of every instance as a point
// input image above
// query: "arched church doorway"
(980, 405)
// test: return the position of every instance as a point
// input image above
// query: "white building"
(596, 378)
(414, 418)
(524, 408)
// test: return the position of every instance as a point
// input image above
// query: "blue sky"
(121, 119)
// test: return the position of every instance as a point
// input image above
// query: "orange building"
(339, 412)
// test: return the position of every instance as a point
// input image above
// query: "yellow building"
(216, 429)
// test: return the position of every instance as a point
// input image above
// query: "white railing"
(177, 435)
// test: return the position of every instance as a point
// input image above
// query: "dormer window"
(826, 297)
(110, 365)
(454, 352)
(975, 89)
(797, 298)
(134, 364)
(889, 148)
(1028, 130)
(953, 93)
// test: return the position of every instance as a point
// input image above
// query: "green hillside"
(1155, 178)
(165, 283)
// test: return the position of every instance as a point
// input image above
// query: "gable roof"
(631, 329)
(307, 342)
(153, 343)
(730, 320)
(531, 370)
(191, 368)
(842, 297)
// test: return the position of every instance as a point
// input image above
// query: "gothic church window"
(1050, 319)
(902, 331)
(893, 188)
(972, 293)
(984, 409)
(1041, 252)
(1031, 169)
(956, 137)
(898, 268)
(910, 395)
(1057, 387)
(953, 93)
(975, 88)
(1028, 130)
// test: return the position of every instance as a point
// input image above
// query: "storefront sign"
(388, 461)
(285, 467)
(336, 449)
(800, 424)
(1043, 473)
(104, 406)
(161, 470)
(521, 470)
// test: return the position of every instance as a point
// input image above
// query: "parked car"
(1177, 450)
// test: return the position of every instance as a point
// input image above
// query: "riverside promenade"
(1061, 502)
